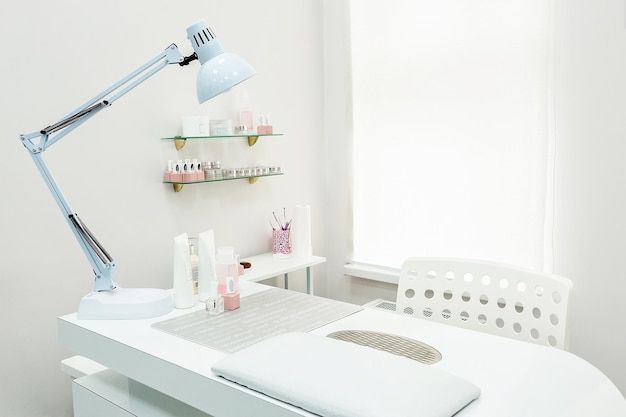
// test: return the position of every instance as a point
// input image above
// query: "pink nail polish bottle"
(168, 173)
(177, 175)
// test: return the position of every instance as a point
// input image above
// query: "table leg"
(309, 281)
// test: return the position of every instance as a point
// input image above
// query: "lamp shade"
(219, 70)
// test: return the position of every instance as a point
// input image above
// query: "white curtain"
(451, 104)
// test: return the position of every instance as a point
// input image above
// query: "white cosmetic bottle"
(206, 264)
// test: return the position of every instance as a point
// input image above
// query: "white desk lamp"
(219, 72)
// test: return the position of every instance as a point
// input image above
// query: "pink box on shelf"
(231, 301)
(265, 129)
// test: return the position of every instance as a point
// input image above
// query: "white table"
(516, 378)
(267, 265)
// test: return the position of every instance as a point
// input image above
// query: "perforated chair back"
(488, 297)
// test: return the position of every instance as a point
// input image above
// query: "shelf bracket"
(252, 140)
(177, 187)
(179, 143)
(252, 180)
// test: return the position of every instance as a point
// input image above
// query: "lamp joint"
(188, 59)
(173, 55)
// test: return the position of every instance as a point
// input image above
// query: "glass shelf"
(251, 179)
(179, 141)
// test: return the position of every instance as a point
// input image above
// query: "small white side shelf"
(267, 265)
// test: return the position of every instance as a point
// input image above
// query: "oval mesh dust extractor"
(397, 345)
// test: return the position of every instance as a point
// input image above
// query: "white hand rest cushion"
(333, 378)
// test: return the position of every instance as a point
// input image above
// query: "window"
(451, 129)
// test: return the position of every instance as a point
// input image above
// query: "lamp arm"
(38, 142)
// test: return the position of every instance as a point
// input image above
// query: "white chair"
(488, 297)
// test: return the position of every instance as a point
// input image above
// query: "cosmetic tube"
(206, 264)
(193, 256)
(183, 280)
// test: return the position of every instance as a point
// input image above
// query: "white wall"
(590, 200)
(338, 135)
(58, 55)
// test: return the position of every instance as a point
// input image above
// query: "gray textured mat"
(261, 315)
